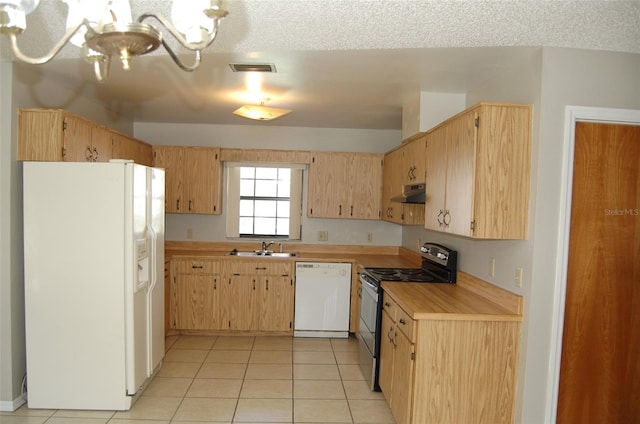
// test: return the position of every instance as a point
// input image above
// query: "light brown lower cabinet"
(197, 293)
(448, 371)
(233, 295)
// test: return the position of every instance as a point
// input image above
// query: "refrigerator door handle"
(141, 285)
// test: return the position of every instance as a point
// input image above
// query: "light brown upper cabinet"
(125, 147)
(478, 166)
(403, 165)
(56, 135)
(344, 185)
(193, 177)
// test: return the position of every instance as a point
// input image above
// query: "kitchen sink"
(262, 253)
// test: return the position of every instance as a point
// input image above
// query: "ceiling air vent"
(253, 67)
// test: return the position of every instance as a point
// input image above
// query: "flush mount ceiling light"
(261, 112)
(104, 28)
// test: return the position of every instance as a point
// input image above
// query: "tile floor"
(238, 379)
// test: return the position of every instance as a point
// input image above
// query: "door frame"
(573, 115)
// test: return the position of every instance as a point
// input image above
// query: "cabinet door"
(461, 149)
(194, 300)
(171, 159)
(276, 303)
(242, 303)
(101, 144)
(413, 161)
(328, 195)
(402, 380)
(503, 162)
(129, 148)
(77, 139)
(40, 135)
(436, 169)
(365, 189)
(201, 180)
(385, 377)
(392, 186)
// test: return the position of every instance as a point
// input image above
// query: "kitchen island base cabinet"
(448, 371)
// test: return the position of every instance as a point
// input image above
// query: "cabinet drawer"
(196, 266)
(390, 306)
(406, 324)
(259, 268)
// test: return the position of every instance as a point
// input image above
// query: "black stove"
(439, 265)
(399, 274)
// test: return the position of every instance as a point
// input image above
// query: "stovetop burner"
(439, 265)
(400, 274)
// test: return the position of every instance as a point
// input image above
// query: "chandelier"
(104, 28)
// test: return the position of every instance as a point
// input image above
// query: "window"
(263, 200)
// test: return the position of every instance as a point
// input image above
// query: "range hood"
(411, 193)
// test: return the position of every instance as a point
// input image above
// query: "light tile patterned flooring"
(239, 379)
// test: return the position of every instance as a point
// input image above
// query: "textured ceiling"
(341, 63)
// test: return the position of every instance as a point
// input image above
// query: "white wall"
(12, 358)
(212, 228)
(424, 110)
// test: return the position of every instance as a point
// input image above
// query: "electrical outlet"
(519, 277)
(189, 233)
(369, 237)
(492, 267)
(323, 235)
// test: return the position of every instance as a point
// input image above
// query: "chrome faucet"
(266, 245)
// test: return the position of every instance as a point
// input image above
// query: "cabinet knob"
(402, 321)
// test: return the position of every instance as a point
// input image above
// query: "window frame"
(232, 175)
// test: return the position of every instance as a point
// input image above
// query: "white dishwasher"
(322, 299)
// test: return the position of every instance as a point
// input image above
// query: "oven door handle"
(371, 286)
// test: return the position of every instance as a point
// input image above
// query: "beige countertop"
(469, 299)
(366, 256)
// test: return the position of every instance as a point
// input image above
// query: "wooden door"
(242, 309)
(392, 186)
(193, 301)
(328, 185)
(276, 303)
(600, 365)
(414, 161)
(461, 143)
(40, 135)
(101, 144)
(402, 378)
(129, 148)
(77, 139)
(365, 186)
(385, 377)
(201, 180)
(436, 169)
(171, 159)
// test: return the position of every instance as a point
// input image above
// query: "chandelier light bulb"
(105, 28)
(13, 15)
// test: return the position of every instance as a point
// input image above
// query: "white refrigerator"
(94, 282)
